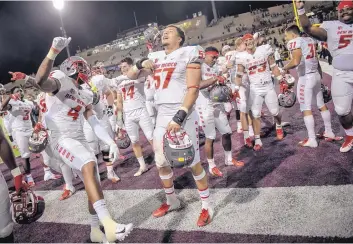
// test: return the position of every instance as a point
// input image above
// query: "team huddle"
(171, 95)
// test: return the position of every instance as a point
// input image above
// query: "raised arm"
(316, 32)
(42, 80)
(295, 61)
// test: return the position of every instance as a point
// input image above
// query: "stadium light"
(59, 5)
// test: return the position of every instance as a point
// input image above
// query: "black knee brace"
(27, 166)
(346, 121)
(105, 155)
(227, 142)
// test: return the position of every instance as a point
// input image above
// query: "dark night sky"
(27, 28)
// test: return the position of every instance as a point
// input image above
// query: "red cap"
(247, 36)
(345, 4)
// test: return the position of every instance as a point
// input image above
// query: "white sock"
(278, 126)
(101, 209)
(326, 117)
(204, 195)
(310, 126)
(68, 176)
(211, 163)
(94, 221)
(171, 196)
(349, 132)
(141, 161)
(46, 169)
(109, 168)
(29, 177)
(228, 156)
(246, 134)
(258, 140)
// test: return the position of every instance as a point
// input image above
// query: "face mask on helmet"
(220, 94)
(26, 207)
(326, 92)
(76, 68)
(287, 99)
(178, 149)
(38, 141)
(152, 36)
(123, 140)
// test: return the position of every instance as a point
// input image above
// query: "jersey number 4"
(157, 77)
(344, 41)
(74, 112)
(129, 92)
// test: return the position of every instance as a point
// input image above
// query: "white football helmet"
(76, 65)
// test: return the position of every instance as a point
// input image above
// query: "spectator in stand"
(278, 58)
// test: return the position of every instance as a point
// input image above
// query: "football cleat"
(141, 171)
(205, 217)
(111, 175)
(123, 231)
(308, 143)
(235, 163)
(248, 143)
(48, 175)
(165, 208)
(97, 236)
(67, 193)
(328, 137)
(347, 144)
(215, 172)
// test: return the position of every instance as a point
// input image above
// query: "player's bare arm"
(274, 68)
(209, 82)
(239, 75)
(119, 108)
(142, 68)
(295, 61)
(316, 32)
(193, 78)
(42, 79)
(5, 106)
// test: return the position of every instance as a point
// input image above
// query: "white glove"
(113, 152)
(59, 43)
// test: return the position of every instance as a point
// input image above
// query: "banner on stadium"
(14, 148)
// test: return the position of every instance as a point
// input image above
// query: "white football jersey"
(101, 84)
(170, 73)
(207, 72)
(101, 105)
(339, 43)
(133, 93)
(42, 105)
(66, 107)
(149, 88)
(256, 65)
(21, 110)
(221, 60)
(309, 62)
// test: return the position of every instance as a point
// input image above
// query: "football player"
(177, 75)
(131, 102)
(212, 115)
(338, 34)
(67, 102)
(303, 57)
(22, 127)
(103, 106)
(6, 222)
(258, 62)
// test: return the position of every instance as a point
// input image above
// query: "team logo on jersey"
(72, 91)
